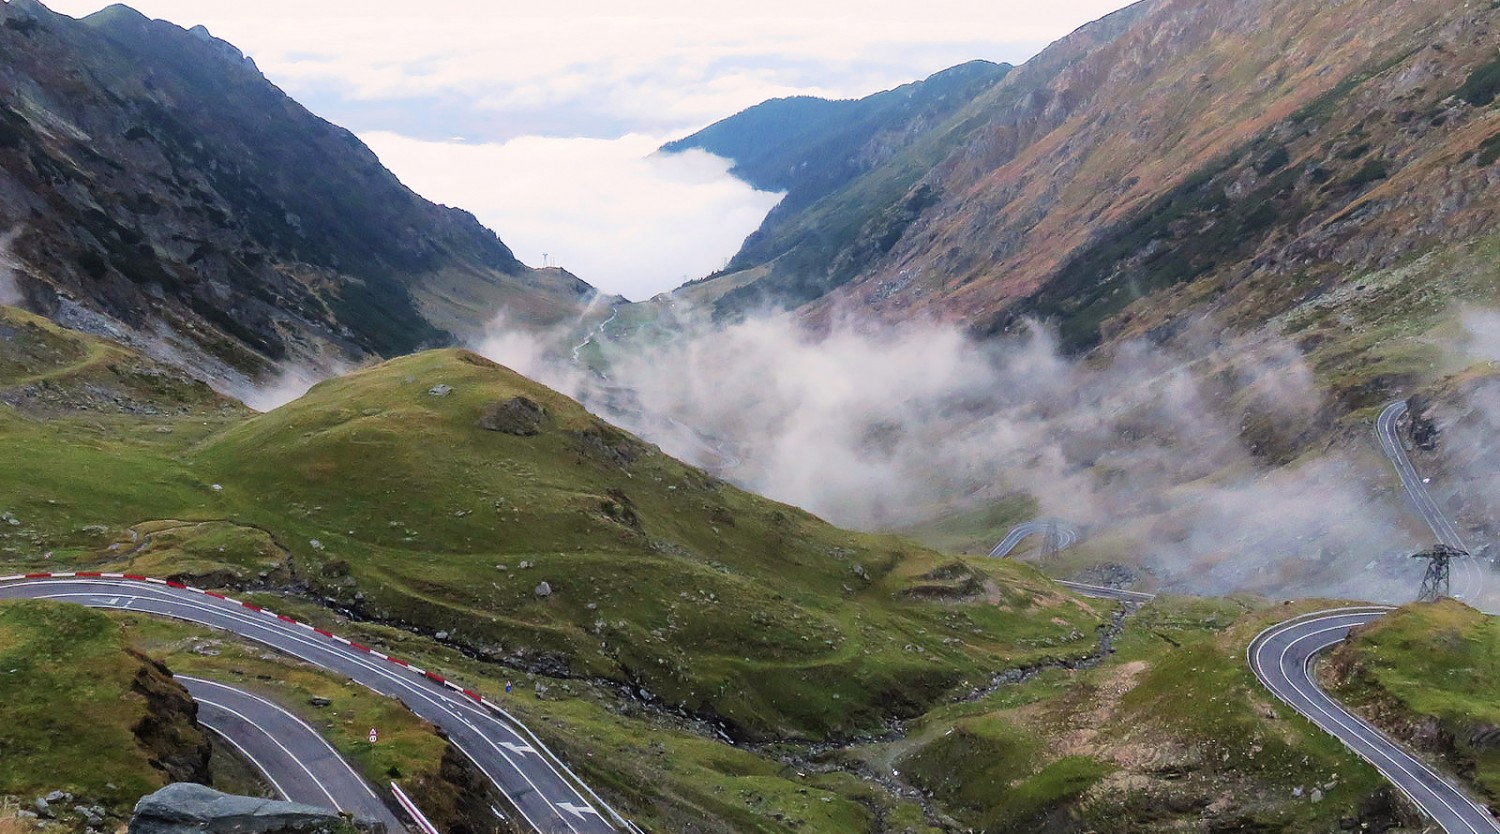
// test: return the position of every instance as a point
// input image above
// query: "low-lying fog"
(1210, 465)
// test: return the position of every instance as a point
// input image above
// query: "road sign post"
(374, 736)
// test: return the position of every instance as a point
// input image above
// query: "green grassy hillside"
(85, 714)
(1170, 733)
(1428, 673)
(550, 541)
(642, 606)
(661, 577)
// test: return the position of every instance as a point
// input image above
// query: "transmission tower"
(1049, 542)
(1435, 579)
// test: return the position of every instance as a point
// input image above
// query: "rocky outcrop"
(185, 808)
(169, 731)
(517, 416)
(1421, 428)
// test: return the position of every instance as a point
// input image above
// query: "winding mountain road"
(300, 764)
(1470, 577)
(1063, 536)
(539, 785)
(1281, 657)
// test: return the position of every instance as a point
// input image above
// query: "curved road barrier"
(300, 764)
(1106, 592)
(547, 794)
(1281, 657)
(423, 823)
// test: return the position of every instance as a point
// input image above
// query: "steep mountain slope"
(157, 188)
(1230, 158)
(809, 146)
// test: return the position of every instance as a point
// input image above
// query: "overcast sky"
(539, 116)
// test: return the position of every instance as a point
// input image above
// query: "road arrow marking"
(516, 748)
(577, 810)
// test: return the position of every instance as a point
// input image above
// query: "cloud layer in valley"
(624, 218)
(1170, 458)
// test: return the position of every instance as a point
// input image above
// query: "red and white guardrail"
(413, 811)
(416, 670)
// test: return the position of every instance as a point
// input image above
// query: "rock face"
(169, 731)
(185, 808)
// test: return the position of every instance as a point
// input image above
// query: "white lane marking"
(556, 761)
(282, 747)
(1274, 685)
(233, 612)
(516, 748)
(577, 810)
(265, 771)
(1361, 731)
(1373, 736)
(303, 724)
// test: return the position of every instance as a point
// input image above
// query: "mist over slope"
(155, 187)
(1211, 465)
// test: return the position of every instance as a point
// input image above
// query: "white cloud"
(626, 220)
(10, 294)
(603, 57)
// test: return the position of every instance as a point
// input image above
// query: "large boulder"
(186, 808)
(519, 416)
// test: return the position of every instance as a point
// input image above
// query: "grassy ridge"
(1171, 730)
(1428, 673)
(71, 706)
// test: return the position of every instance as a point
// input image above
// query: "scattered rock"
(315, 544)
(217, 487)
(516, 416)
(501, 567)
(320, 701)
(544, 590)
(441, 635)
(440, 390)
(43, 810)
(186, 808)
(59, 796)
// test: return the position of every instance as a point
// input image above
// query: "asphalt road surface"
(1281, 657)
(1468, 578)
(1105, 592)
(299, 763)
(1063, 535)
(513, 758)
